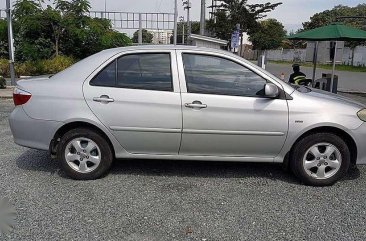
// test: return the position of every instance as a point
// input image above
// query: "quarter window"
(106, 77)
(215, 75)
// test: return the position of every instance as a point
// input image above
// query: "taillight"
(21, 97)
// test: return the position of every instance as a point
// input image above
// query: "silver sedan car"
(189, 103)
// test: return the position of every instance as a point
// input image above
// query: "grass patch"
(339, 67)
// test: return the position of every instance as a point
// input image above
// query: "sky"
(292, 13)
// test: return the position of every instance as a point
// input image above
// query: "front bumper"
(359, 136)
(32, 133)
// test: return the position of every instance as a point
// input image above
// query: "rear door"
(137, 96)
(225, 112)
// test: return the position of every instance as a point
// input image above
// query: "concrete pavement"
(347, 81)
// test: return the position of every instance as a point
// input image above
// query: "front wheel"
(84, 154)
(320, 159)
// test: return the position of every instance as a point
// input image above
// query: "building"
(208, 42)
(161, 36)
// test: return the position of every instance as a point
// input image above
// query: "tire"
(84, 154)
(329, 163)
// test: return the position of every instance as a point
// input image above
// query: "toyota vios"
(173, 102)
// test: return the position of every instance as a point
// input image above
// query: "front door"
(225, 112)
(137, 97)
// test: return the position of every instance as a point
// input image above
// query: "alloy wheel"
(322, 160)
(82, 155)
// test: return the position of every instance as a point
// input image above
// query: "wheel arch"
(73, 125)
(334, 130)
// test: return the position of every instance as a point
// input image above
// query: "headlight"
(362, 114)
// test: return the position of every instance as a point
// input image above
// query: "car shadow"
(40, 161)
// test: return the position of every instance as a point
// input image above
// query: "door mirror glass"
(271, 90)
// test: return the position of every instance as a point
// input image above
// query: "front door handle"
(195, 105)
(103, 99)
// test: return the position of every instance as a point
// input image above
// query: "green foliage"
(40, 48)
(146, 36)
(37, 67)
(270, 35)
(195, 29)
(330, 16)
(238, 12)
(3, 39)
(4, 67)
(60, 29)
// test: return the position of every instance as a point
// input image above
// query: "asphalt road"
(174, 200)
(347, 81)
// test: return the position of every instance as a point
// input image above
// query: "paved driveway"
(174, 200)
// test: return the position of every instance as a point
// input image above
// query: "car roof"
(163, 47)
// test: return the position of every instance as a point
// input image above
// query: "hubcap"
(322, 160)
(83, 155)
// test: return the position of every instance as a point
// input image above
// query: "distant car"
(175, 102)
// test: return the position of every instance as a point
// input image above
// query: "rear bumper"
(359, 136)
(32, 133)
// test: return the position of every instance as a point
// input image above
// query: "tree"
(270, 35)
(3, 39)
(62, 28)
(234, 12)
(146, 36)
(334, 15)
(195, 29)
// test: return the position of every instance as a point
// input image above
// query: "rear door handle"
(103, 99)
(195, 105)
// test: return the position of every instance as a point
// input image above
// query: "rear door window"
(145, 71)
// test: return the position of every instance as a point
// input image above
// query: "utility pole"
(140, 29)
(203, 17)
(187, 5)
(182, 22)
(10, 42)
(175, 21)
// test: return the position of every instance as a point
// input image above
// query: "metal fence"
(131, 20)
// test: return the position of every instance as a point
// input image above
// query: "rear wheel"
(320, 159)
(84, 154)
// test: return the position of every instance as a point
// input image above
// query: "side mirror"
(271, 90)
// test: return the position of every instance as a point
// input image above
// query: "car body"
(164, 103)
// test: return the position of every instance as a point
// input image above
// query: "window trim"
(225, 58)
(115, 59)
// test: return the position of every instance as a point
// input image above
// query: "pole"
(315, 58)
(175, 21)
(140, 29)
(10, 42)
(189, 31)
(203, 17)
(183, 33)
(334, 64)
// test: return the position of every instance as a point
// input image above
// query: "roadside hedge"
(38, 67)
